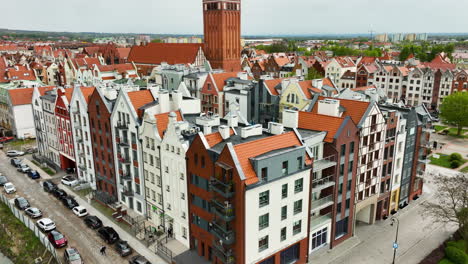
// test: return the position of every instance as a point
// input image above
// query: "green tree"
(454, 110)
(156, 41)
(312, 73)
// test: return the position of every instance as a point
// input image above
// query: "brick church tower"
(222, 29)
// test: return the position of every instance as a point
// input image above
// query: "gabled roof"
(281, 61)
(316, 122)
(80, 62)
(308, 89)
(162, 120)
(252, 149)
(139, 99)
(21, 96)
(172, 53)
(215, 138)
(364, 88)
(123, 52)
(219, 78)
(87, 92)
(353, 108)
(271, 84)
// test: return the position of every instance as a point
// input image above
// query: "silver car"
(33, 212)
(14, 153)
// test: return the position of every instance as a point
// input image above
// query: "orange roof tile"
(220, 78)
(271, 84)
(172, 53)
(364, 88)
(251, 149)
(162, 120)
(139, 99)
(123, 52)
(21, 96)
(44, 89)
(307, 88)
(328, 82)
(281, 61)
(354, 109)
(87, 92)
(316, 122)
(215, 138)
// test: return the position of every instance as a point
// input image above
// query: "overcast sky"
(258, 16)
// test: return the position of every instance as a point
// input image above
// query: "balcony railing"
(123, 144)
(319, 220)
(223, 210)
(225, 235)
(124, 160)
(324, 163)
(323, 182)
(126, 176)
(224, 189)
(322, 202)
(226, 255)
(122, 125)
(127, 192)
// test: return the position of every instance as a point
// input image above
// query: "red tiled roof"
(281, 61)
(364, 88)
(251, 149)
(220, 78)
(162, 120)
(354, 109)
(18, 72)
(42, 90)
(139, 99)
(328, 82)
(316, 122)
(172, 53)
(271, 84)
(215, 138)
(123, 52)
(21, 96)
(86, 62)
(87, 92)
(307, 87)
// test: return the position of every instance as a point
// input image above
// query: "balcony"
(324, 163)
(82, 167)
(226, 255)
(127, 192)
(319, 220)
(224, 189)
(81, 153)
(324, 182)
(223, 210)
(77, 125)
(123, 144)
(227, 236)
(122, 125)
(124, 160)
(126, 176)
(322, 203)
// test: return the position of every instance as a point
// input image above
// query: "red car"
(6, 139)
(57, 239)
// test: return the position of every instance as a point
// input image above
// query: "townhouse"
(245, 173)
(51, 154)
(337, 66)
(66, 147)
(16, 113)
(82, 134)
(40, 120)
(212, 93)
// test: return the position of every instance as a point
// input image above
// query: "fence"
(42, 160)
(32, 226)
(163, 251)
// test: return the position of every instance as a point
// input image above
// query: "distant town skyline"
(259, 17)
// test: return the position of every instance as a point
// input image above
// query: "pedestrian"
(103, 250)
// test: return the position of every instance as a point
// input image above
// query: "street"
(78, 234)
(372, 244)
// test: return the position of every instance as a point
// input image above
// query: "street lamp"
(395, 244)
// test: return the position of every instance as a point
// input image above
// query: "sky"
(259, 17)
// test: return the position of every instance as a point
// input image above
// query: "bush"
(456, 255)
(445, 261)
(455, 164)
(456, 156)
(460, 244)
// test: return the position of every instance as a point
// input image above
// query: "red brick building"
(64, 129)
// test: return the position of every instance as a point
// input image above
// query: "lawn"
(452, 131)
(443, 161)
(21, 142)
(46, 169)
(439, 128)
(464, 170)
(18, 242)
(108, 213)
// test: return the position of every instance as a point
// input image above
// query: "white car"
(23, 168)
(14, 153)
(9, 187)
(46, 224)
(80, 211)
(69, 181)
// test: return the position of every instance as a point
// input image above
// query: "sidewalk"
(139, 247)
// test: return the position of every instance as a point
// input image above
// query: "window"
(343, 150)
(184, 232)
(264, 174)
(319, 238)
(298, 185)
(284, 212)
(284, 191)
(297, 206)
(297, 227)
(351, 148)
(285, 168)
(299, 163)
(203, 161)
(263, 221)
(263, 243)
(264, 198)
(341, 228)
(283, 234)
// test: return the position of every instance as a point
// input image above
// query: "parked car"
(80, 211)
(3, 180)
(31, 150)
(33, 174)
(108, 234)
(46, 224)
(21, 203)
(6, 139)
(49, 186)
(9, 188)
(72, 256)
(69, 202)
(59, 193)
(57, 239)
(1, 146)
(123, 248)
(139, 260)
(14, 153)
(33, 212)
(92, 221)
(15, 162)
(69, 181)
(23, 168)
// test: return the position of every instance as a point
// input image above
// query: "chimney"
(172, 118)
(255, 130)
(207, 129)
(275, 128)
(329, 107)
(177, 100)
(224, 131)
(164, 101)
(317, 83)
(290, 118)
(233, 120)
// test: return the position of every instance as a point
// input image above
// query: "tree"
(156, 41)
(452, 204)
(454, 110)
(312, 74)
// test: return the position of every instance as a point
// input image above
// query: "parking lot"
(78, 234)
